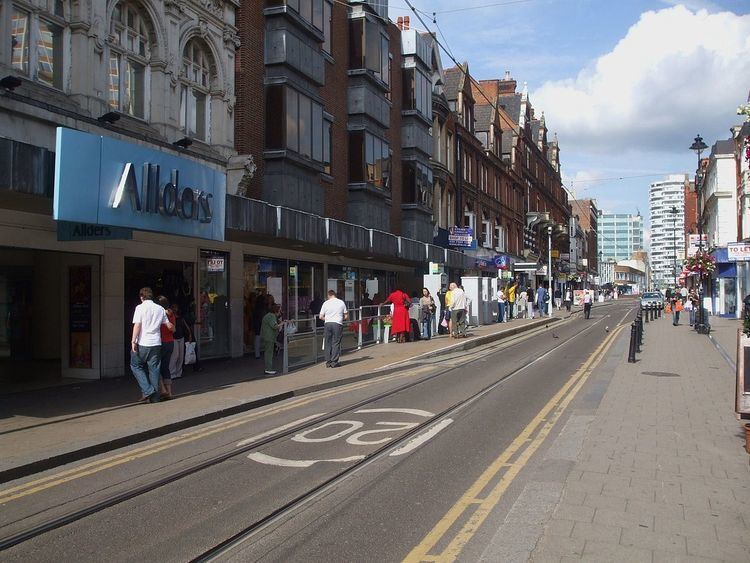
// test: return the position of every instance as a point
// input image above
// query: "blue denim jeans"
(145, 365)
(427, 326)
(500, 311)
(692, 316)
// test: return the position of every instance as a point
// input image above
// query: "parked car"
(652, 298)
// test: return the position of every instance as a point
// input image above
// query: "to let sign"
(460, 236)
(738, 251)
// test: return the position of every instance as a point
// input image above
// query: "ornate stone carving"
(216, 7)
(231, 37)
(203, 28)
(250, 170)
(175, 6)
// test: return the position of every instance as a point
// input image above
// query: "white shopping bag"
(190, 356)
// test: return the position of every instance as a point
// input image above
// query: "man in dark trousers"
(333, 313)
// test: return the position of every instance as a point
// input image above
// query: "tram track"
(134, 492)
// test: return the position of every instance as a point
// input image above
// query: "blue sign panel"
(460, 236)
(502, 262)
(104, 181)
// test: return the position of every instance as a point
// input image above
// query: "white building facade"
(720, 218)
(667, 212)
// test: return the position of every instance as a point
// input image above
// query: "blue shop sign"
(86, 231)
(502, 262)
(103, 181)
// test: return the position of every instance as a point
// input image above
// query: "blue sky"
(626, 84)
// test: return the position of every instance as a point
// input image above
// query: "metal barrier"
(303, 339)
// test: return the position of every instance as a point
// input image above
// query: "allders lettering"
(168, 199)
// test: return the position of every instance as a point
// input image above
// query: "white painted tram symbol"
(349, 430)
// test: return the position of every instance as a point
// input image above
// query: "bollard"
(640, 332)
(638, 336)
(631, 350)
(652, 311)
(658, 311)
(648, 311)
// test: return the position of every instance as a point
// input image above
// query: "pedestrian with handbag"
(427, 313)
(501, 304)
(676, 308)
(181, 332)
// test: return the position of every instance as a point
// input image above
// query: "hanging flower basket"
(702, 264)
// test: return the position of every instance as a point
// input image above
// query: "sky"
(625, 84)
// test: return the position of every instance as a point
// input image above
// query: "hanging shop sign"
(738, 251)
(694, 244)
(215, 264)
(502, 262)
(460, 236)
(104, 181)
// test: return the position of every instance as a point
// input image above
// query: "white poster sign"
(738, 251)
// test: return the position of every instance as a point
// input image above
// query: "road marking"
(61, 477)
(527, 442)
(352, 425)
(266, 459)
(415, 412)
(279, 429)
(414, 443)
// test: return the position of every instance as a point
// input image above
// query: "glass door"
(213, 304)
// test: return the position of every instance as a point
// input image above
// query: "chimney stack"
(507, 84)
(400, 23)
(406, 23)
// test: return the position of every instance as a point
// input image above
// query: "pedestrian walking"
(458, 310)
(676, 308)
(587, 299)
(269, 330)
(558, 298)
(333, 313)
(167, 347)
(145, 344)
(522, 304)
(692, 305)
(512, 296)
(568, 299)
(182, 334)
(530, 303)
(501, 304)
(542, 300)
(427, 313)
(400, 319)
(259, 311)
(444, 312)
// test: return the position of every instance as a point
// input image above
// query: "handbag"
(291, 327)
(444, 323)
(190, 357)
(668, 308)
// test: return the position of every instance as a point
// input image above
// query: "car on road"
(651, 299)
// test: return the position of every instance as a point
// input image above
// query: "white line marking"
(279, 429)
(271, 460)
(414, 443)
(415, 412)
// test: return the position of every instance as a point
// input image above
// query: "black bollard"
(658, 312)
(639, 336)
(652, 310)
(633, 337)
(646, 313)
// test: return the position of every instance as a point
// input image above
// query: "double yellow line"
(472, 508)
(59, 478)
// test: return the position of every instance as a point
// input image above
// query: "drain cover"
(660, 373)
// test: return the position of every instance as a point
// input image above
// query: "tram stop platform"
(46, 428)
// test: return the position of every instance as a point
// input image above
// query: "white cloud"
(675, 73)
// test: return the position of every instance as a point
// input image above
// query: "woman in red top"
(400, 325)
(167, 346)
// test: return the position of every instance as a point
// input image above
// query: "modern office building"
(620, 234)
(667, 210)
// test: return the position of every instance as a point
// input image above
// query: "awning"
(726, 270)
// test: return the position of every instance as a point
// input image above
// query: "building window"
(369, 49)
(417, 182)
(309, 10)
(197, 74)
(19, 40)
(486, 231)
(369, 159)
(470, 220)
(45, 62)
(327, 9)
(417, 92)
(297, 123)
(132, 34)
(500, 234)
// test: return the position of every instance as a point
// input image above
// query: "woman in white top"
(501, 305)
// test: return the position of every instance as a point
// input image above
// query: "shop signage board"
(738, 251)
(104, 181)
(555, 253)
(460, 236)
(502, 262)
(86, 231)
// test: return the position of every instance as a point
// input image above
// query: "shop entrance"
(49, 306)
(174, 280)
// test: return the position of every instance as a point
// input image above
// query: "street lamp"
(674, 211)
(549, 269)
(698, 147)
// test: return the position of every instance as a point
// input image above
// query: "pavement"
(658, 471)
(46, 428)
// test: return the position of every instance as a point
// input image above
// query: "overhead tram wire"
(483, 6)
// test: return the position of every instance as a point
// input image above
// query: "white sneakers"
(270, 372)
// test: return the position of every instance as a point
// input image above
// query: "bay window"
(369, 49)
(417, 182)
(369, 159)
(297, 123)
(417, 92)
(486, 231)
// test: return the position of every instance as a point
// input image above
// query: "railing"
(303, 338)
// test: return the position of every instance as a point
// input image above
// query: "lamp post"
(549, 270)
(674, 211)
(698, 147)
